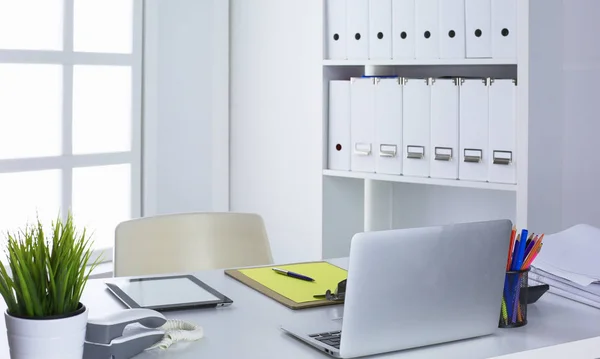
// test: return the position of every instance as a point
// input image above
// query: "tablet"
(167, 293)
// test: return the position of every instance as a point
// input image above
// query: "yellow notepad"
(326, 276)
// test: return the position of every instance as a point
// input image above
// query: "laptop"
(410, 288)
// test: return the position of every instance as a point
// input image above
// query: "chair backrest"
(182, 243)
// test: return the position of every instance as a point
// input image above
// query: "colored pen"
(534, 252)
(529, 240)
(521, 252)
(530, 246)
(510, 248)
(292, 274)
(515, 254)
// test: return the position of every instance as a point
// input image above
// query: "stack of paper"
(569, 263)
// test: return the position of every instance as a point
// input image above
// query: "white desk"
(250, 327)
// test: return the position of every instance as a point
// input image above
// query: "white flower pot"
(51, 338)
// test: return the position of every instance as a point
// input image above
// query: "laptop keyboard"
(329, 338)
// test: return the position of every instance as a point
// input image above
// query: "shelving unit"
(416, 62)
(355, 201)
(421, 180)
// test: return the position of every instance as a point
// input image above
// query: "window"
(70, 113)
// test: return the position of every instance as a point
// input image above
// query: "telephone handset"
(126, 333)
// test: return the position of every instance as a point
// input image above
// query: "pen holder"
(513, 312)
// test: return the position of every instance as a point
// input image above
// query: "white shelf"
(421, 180)
(420, 62)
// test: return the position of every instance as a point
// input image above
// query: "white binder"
(403, 28)
(502, 140)
(380, 29)
(336, 29)
(478, 19)
(339, 126)
(416, 111)
(444, 129)
(357, 28)
(473, 134)
(362, 124)
(388, 126)
(504, 29)
(452, 29)
(428, 29)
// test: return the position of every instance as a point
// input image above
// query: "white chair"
(183, 243)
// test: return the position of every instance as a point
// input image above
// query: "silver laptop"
(415, 287)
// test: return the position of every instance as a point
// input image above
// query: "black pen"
(292, 274)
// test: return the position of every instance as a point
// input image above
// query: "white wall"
(564, 166)
(276, 120)
(581, 162)
(186, 106)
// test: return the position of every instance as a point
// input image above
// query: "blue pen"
(292, 274)
(521, 253)
(513, 262)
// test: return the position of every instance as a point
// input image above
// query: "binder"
(416, 111)
(452, 29)
(380, 29)
(403, 28)
(357, 27)
(502, 131)
(478, 19)
(339, 126)
(336, 29)
(444, 129)
(504, 29)
(427, 45)
(388, 126)
(473, 134)
(362, 124)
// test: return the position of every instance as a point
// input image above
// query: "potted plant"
(42, 287)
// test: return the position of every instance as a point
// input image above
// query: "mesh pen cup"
(513, 312)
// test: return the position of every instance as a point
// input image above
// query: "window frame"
(67, 161)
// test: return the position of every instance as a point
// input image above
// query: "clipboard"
(239, 275)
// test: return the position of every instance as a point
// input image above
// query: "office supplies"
(126, 333)
(416, 117)
(515, 299)
(338, 148)
(444, 129)
(531, 238)
(529, 247)
(337, 36)
(294, 294)
(403, 28)
(380, 29)
(521, 251)
(515, 253)
(377, 320)
(502, 131)
(388, 126)
(566, 255)
(452, 29)
(510, 248)
(292, 274)
(338, 295)
(427, 25)
(362, 124)
(478, 18)
(473, 133)
(357, 26)
(165, 293)
(504, 29)
(518, 267)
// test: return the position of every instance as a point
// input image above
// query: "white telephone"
(126, 333)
